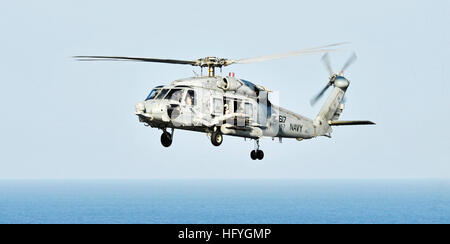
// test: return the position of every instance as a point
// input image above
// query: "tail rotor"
(333, 76)
(349, 62)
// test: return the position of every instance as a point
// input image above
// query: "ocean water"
(225, 201)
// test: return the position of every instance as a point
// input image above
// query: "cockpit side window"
(175, 95)
(152, 94)
(190, 98)
(162, 94)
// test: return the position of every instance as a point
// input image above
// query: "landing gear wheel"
(166, 139)
(259, 154)
(216, 138)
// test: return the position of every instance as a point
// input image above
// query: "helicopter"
(231, 106)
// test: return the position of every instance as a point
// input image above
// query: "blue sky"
(66, 119)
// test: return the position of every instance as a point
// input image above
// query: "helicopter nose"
(140, 107)
(154, 110)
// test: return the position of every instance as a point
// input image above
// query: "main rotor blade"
(318, 96)
(288, 54)
(117, 58)
(350, 61)
(326, 62)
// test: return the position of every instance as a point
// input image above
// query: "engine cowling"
(229, 84)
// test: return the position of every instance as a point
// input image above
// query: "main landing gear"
(257, 154)
(166, 138)
(216, 137)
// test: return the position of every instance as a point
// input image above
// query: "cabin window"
(228, 107)
(238, 106)
(162, 94)
(218, 106)
(190, 98)
(175, 95)
(152, 94)
(248, 109)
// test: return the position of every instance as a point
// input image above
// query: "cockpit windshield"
(162, 94)
(175, 95)
(153, 94)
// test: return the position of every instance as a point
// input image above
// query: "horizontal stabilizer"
(351, 122)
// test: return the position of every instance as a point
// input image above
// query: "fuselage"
(237, 107)
(221, 106)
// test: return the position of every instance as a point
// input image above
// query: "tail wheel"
(166, 139)
(216, 138)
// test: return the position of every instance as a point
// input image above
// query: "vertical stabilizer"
(332, 108)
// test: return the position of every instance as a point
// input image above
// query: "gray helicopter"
(220, 106)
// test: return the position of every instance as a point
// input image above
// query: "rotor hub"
(341, 82)
(211, 62)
